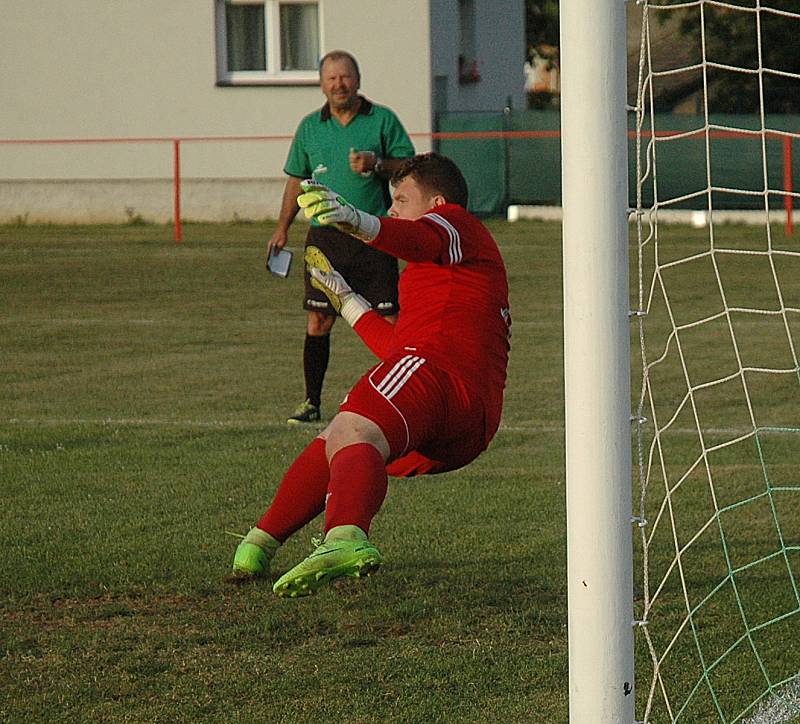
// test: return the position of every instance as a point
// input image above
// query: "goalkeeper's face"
(410, 200)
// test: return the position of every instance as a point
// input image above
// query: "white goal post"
(597, 360)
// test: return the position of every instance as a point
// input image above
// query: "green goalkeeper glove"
(327, 207)
(325, 278)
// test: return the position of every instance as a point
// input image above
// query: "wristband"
(366, 228)
(353, 308)
(378, 167)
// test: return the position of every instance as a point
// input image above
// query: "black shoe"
(306, 412)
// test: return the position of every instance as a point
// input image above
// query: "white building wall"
(107, 69)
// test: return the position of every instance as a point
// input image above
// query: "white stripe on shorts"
(452, 232)
(393, 382)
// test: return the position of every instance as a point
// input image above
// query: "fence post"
(176, 146)
(507, 155)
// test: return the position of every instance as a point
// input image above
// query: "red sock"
(301, 494)
(357, 486)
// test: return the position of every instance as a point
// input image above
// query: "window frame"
(272, 36)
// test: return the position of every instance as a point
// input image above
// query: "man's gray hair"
(339, 55)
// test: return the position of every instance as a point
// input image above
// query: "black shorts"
(371, 273)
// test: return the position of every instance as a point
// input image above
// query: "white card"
(280, 262)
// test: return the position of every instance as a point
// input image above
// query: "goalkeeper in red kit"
(433, 401)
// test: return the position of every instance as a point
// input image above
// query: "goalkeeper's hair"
(340, 55)
(435, 173)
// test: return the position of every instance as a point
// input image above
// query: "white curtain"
(299, 36)
(245, 37)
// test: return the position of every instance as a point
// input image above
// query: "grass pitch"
(142, 415)
(146, 385)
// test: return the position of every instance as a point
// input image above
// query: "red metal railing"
(176, 142)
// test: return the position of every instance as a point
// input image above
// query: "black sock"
(316, 353)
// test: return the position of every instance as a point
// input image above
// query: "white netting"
(719, 409)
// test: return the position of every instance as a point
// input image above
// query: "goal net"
(718, 309)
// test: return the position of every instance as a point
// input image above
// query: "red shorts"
(430, 419)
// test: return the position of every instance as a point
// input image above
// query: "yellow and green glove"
(325, 278)
(326, 207)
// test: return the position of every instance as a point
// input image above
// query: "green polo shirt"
(321, 148)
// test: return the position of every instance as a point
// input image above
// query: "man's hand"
(362, 162)
(276, 242)
(333, 285)
(285, 217)
(327, 207)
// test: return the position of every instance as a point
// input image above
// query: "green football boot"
(250, 561)
(253, 554)
(332, 559)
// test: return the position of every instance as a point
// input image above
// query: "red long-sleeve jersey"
(453, 299)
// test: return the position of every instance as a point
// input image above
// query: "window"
(244, 37)
(275, 41)
(466, 12)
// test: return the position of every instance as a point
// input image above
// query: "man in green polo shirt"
(354, 146)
